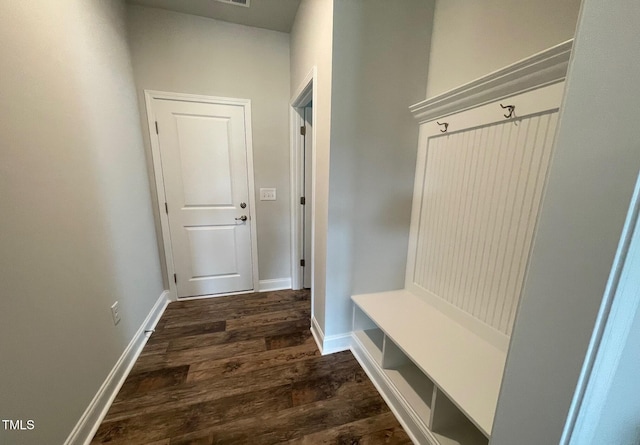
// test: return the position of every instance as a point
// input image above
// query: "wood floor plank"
(284, 425)
(217, 314)
(241, 301)
(241, 365)
(172, 333)
(280, 341)
(183, 356)
(245, 370)
(326, 387)
(358, 432)
(152, 357)
(139, 383)
(158, 359)
(203, 440)
(154, 348)
(230, 336)
(209, 390)
(391, 436)
(251, 321)
(182, 420)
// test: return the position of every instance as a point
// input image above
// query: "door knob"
(242, 218)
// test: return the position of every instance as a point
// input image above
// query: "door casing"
(150, 95)
(306, 92)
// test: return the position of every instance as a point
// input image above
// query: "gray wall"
(189, 54)
(379, 64)
(590, 184)
(76, 231)
(474, 38)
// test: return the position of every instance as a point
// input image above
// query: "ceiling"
(277, 15)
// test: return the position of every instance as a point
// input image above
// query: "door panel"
(204, 165)
(205, 157)
(203, 241)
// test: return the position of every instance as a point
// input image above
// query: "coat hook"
(511, 109)
(446, 126)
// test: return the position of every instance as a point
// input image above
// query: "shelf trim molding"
(541, 69)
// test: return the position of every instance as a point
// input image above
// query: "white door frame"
(306, 92)
(149, 96)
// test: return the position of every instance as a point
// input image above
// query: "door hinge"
(303, 130)
(303, 201)
(166, 208)
(175, 278)
(157, 132)
(301, 263)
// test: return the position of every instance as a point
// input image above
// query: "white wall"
(619, 409)
(311, 39)
(591, 180)
(379, 64)
(76, 231)
(189, 54)
(473, 38)
(604, 410)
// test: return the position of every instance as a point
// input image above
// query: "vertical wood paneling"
(480, 201)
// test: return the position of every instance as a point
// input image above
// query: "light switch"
(267, 194)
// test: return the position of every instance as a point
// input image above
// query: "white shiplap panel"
(480, 198)
(541, 169)
(472, 218)
(512, 176)
(509, 247)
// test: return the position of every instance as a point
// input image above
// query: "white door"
(203, 151)
(307, 254)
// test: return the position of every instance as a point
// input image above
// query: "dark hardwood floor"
(245, 370)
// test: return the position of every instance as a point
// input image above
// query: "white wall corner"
(329, 344)
(88, 424)
(275, 284)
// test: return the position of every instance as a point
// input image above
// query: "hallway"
(245, 369)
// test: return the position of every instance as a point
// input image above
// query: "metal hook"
(446, 126)
(511, 109)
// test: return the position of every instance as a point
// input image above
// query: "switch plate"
(267, 194)
(115, 312)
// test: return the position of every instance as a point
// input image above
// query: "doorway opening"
(303, 184)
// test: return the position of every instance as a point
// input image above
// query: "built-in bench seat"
(442, 371)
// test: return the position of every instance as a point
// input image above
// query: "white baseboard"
(317, 333)
(329, 344)
(412, 424)
(97, 409)
(276, 284)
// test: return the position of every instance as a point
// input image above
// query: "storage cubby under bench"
(445, 377)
